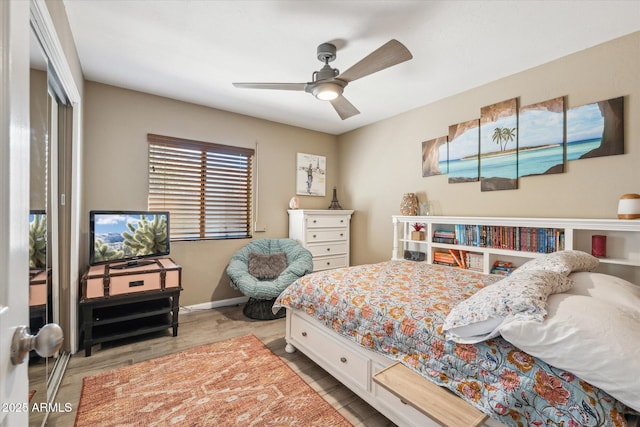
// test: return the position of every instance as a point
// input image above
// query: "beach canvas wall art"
(509, 142)
(541, 138)
(434, 157)
(595, 130)
(464, 150)
(499, 146)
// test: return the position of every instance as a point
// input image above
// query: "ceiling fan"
(328, 83)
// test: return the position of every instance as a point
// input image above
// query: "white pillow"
(605, 287)
(522, 295)
(595, 340)
(563, 262)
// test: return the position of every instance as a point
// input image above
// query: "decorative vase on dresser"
(325, 233)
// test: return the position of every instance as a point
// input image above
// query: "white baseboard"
(214, 304)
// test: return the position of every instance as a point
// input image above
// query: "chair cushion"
(267, 266)
(299, 262)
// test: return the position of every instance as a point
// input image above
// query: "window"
(206, 187)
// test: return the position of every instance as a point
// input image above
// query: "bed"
(356, 321)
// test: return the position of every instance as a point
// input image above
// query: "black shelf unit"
(117, 317)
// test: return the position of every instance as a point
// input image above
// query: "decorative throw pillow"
(267, 266)
(518, 296)
(593, 339)
(564, 262)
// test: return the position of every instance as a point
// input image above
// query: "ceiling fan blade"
(343, 107)
(277, 86)
(389, 54)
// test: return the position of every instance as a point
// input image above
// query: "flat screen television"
(127, 236)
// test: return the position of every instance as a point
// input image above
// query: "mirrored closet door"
(51, 123)
(40, 254)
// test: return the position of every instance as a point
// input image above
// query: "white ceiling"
(192, 50)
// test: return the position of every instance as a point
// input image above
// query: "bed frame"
(354, 366)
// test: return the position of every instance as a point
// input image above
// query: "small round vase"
(409, 204)
(293, 203)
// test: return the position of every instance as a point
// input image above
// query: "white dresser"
(325, 233)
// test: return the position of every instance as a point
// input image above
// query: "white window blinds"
(206, 187)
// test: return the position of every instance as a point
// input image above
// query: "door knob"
(46, 342)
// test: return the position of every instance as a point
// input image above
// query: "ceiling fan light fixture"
(327, 91)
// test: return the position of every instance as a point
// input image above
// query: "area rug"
(233, 382)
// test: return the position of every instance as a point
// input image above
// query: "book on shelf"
(449, 240)
(505, 264)
(527, 239)
(449, 264)
(503, 268)
(444, 236)
(444, 233)
(456, 256)
(444, 258)
(474, 261)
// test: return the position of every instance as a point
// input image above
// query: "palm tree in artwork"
(497, 137)
(503, 136)
(508, 135)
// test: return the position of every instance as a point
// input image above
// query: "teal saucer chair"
(263, 269)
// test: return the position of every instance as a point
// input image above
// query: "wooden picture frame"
(311, 175)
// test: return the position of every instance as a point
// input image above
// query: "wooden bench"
(434, 401)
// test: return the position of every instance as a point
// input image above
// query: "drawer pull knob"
(314, 221)
(328, 262)
(328, 249)
(341, 234)
(304, 334)
(343, 359)
(314, 236)
(342, 220)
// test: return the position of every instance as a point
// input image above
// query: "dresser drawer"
(327, 262)
(326, 235)
(326, 221)
(337, 248)
(349, 363)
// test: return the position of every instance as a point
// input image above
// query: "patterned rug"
(233, 382)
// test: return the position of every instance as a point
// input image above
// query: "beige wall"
(115, 170)
(380, 162)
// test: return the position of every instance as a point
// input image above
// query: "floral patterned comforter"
(397, 308)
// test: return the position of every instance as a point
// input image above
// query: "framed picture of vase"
(311, 171)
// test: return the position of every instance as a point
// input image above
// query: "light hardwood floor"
(199, 328)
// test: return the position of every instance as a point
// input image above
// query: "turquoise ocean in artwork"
(530, 162)
(466, 168)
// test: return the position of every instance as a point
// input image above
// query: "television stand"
(125, 316)
(119, 303)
